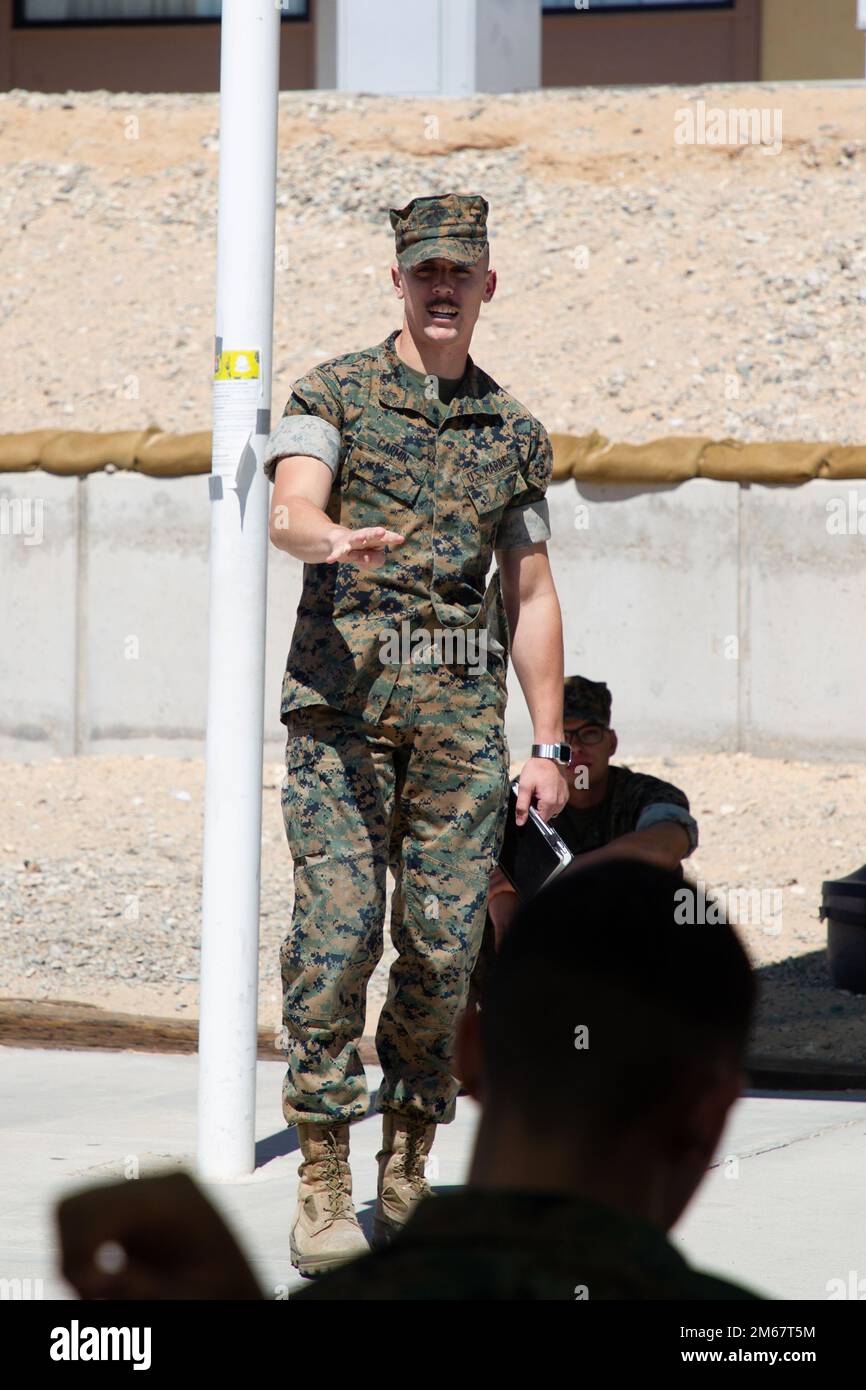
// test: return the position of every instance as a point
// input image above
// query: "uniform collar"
(477, 393)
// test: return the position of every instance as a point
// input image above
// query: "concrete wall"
(507, 46)
(723, 617)
(433, 47)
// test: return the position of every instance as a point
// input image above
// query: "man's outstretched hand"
(164, 1241)
(367, 548)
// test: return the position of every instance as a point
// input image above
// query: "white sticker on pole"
(237, 385)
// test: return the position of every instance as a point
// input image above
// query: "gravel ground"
(600, 224)
(100, 870)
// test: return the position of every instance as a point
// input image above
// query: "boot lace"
(413, 1156)
(338, 1197)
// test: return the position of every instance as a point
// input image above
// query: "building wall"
(675, 46)
(724, 617)
(767, 39)
(810, 39)
(135, 57)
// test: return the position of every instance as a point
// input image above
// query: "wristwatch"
(559, 752)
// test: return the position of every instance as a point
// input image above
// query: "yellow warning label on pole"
(237, 364)
(237, 388)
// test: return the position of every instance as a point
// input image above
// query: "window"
(35, 12)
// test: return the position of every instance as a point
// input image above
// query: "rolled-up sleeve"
(311, 424)
(526, 520)
(660, 811)
(524, 525)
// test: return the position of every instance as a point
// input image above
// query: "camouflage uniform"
(402, 764)
(480, 1244)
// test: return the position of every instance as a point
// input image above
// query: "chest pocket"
(493, 494)
(371, 473)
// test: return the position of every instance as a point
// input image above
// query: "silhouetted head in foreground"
(611, 1043)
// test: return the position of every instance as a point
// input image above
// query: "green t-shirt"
(447, 388)
(633, 801)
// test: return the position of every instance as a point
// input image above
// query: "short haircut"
(605, 949)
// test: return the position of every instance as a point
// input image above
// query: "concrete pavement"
(783, 1210)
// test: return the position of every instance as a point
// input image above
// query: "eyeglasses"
(587, 736)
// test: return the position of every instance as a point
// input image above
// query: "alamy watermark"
(440, 645)
(77, 1343)
(846, 516)
(742, 906)
(854, 1288)
(19, 1290)
(22, 516)
(732, 125)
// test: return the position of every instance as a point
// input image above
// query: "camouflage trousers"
(424, 792)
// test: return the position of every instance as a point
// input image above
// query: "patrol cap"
(450, 226)
(585, 701)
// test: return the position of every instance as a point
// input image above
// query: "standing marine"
(399, 472)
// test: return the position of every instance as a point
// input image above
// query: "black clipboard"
(533, 853)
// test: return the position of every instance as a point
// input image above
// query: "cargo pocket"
(304, 803)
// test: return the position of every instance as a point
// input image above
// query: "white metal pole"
(249, 89)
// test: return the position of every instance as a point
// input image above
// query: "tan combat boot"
(406, 1142)
(325, 1231)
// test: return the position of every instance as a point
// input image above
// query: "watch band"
(559, 752)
